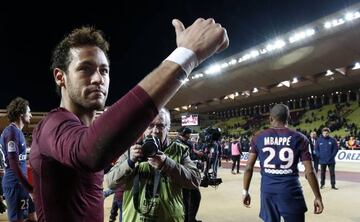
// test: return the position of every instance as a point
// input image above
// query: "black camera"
(210, 137)
(211, 134)
(150, 145)
(208, 180)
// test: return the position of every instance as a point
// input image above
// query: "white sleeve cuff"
(186, 58)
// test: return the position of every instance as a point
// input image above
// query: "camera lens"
(150, 146)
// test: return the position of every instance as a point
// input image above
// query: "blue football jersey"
(12, 140)
(279, 151)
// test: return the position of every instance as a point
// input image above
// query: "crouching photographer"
(154, 180)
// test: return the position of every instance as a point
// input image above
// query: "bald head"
(280, 113)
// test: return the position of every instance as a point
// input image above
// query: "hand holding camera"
(158, 160)
(148, 149)
(135, 153)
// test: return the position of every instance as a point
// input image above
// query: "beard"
(85, 100)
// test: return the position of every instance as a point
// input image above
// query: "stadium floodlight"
(329, 73)
(246, 57)
(351, 16)
(301, 35)
(310, 32)
(254, 53)
(197, 76)
(232, 62)
(284, 83)
(184, 81)
(356, 66)
(337, 22)
(224, 65)
(277, 44)
(213, 69)
(255, 90)
(327, 25)
(295, 80)
(246, 93)
(263, 51)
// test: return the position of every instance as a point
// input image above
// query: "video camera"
(210, 136)
(150, 145)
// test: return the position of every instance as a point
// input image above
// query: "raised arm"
(93, 148)
(203, 38)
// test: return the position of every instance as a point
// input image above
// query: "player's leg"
(268, 208)
(332, 175)
(238, 164)
(323, 172)
(15, 204)
(233, 164)
(32, 213)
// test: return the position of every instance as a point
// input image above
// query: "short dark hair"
(280, 112)
(184, 130)
(325, 129)
(83, 36)
(16, 107)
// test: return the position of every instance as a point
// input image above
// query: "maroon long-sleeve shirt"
(68, 157)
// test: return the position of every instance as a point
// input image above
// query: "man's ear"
(59, 77)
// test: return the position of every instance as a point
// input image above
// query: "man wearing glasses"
(153, 187)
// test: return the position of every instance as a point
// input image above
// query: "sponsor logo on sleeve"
(11, 146)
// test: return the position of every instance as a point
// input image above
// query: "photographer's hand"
(135, 152)
(158, 160)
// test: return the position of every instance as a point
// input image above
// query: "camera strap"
(136, 190)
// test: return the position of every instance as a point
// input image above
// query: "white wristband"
(186, 58)
(245, 192)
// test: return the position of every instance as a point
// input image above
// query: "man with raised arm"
(69, 149)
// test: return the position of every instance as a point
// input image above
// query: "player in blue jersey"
(13, 148)
(279, 150)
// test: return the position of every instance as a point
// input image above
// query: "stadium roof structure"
(320, 57)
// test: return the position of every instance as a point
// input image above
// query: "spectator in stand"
(351, 143)
(342, 144)
(326, 149)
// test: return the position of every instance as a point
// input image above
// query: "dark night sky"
(140, 36)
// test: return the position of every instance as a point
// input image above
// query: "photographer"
(153, 188)
(192, 197)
